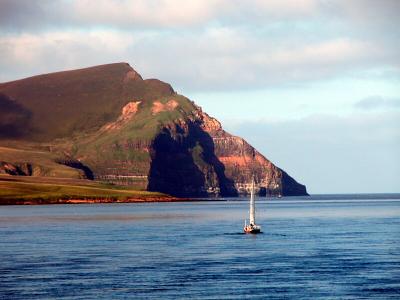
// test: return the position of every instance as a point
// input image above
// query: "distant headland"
(106, 125)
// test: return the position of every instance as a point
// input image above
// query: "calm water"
(325, 247)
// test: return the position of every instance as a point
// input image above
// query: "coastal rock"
(111, 125)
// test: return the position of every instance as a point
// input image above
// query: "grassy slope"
(42, 161)
(106, 149)
(66, 102)
(34, 190)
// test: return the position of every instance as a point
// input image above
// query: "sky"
(313, 85)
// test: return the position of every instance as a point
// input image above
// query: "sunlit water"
(322, 247)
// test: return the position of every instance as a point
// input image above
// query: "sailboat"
(252, 227)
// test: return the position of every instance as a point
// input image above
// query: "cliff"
(108, 123)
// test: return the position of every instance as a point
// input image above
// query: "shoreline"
(5, 202)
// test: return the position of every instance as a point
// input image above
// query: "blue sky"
(314, 85)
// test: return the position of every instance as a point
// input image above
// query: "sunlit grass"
(21, 188)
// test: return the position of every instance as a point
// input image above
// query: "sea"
(318, 247)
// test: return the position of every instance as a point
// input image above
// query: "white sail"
(252, 205)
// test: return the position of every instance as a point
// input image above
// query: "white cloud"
(31, 54)
(214, 58)
(378, 102)
(17, 15)
(369, 12)
(202, 45)
(168, 13)
(148, 13)
(227, 58)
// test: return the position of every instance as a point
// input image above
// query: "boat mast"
(252, 205)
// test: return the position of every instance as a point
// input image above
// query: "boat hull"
(252, 229)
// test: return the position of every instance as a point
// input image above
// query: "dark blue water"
(325, 247)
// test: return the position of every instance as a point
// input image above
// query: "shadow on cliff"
(76, 164)
(174, 171)
(226, 185)
(291, 187)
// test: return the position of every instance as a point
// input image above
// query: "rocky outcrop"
(128, 112)
(159, 107)
(197, 157)
(21, 169)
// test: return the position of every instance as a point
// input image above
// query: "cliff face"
(221, 164)
(242, 161)
(108, 123)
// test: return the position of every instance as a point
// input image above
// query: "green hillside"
(61, 104)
